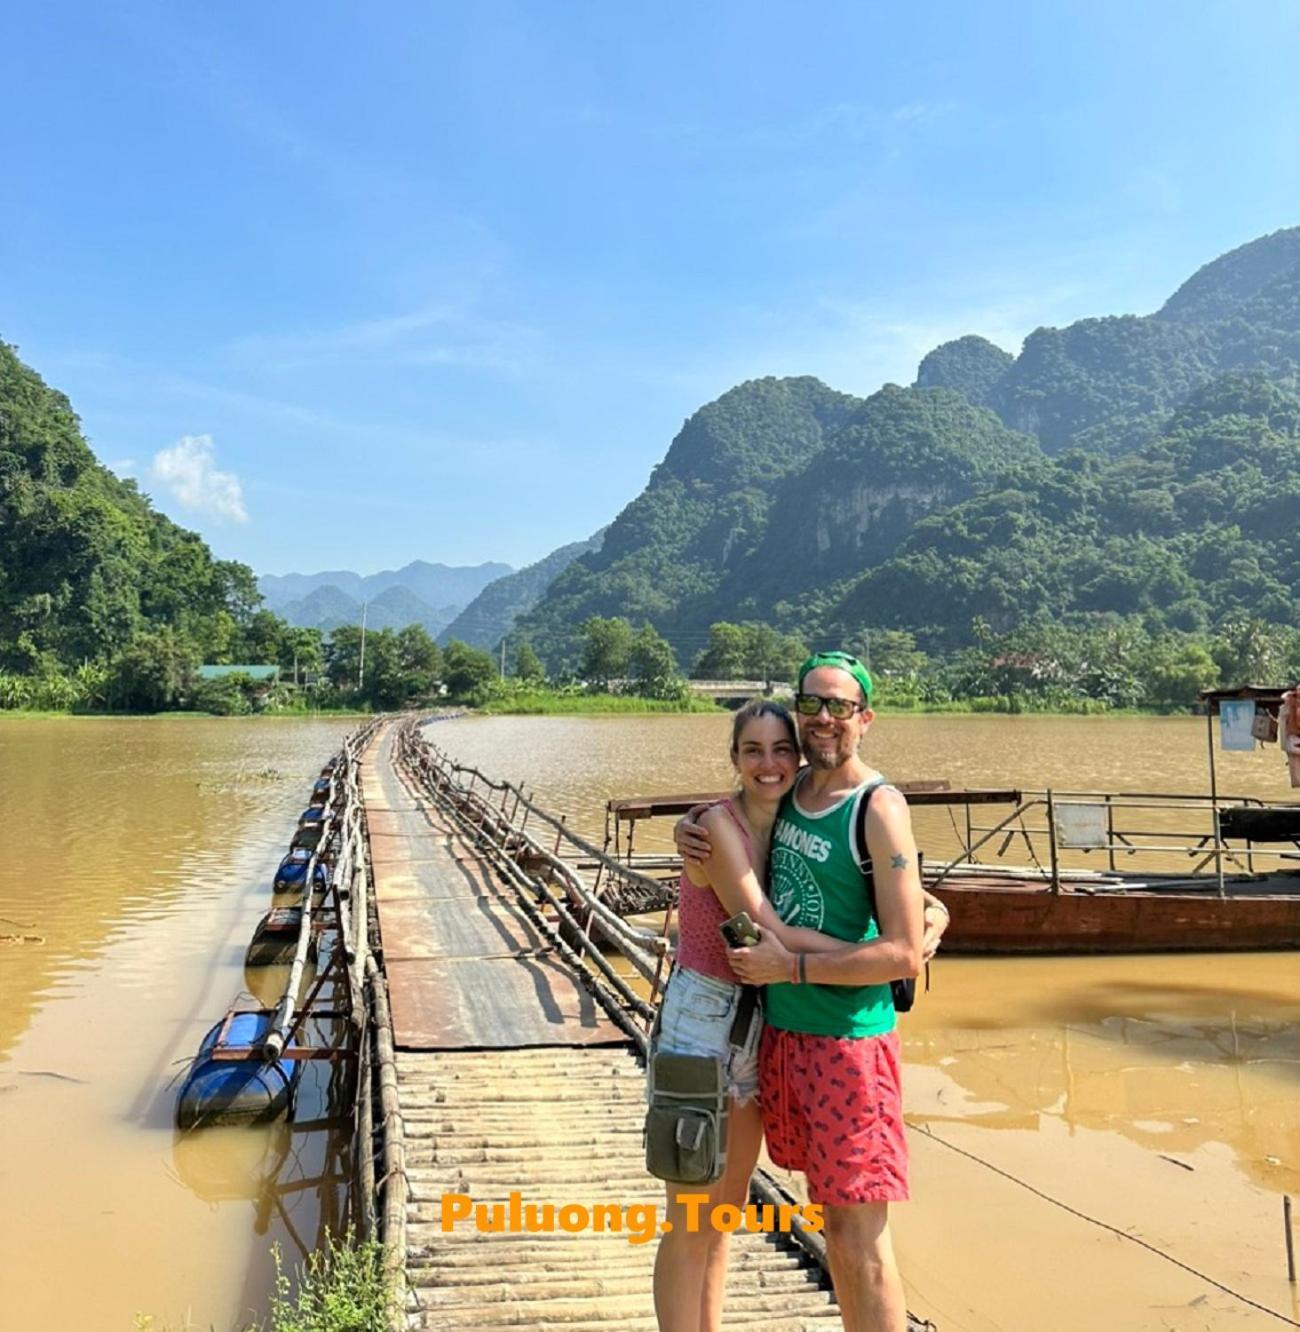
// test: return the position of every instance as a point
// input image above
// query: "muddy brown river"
(1098, 1143)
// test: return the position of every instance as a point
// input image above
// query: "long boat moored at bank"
(1055, 871)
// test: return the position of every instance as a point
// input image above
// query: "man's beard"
(826, 760)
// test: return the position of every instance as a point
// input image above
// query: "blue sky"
(348, 286)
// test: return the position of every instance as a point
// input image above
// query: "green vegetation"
(707, 503)
(749, 652)
(105, 605)
(343, 1287)
(1094, 519)
(622, 670)
(1189, 533)
(492, 614)
(972, 366)
(1111, 517)
(520, 698)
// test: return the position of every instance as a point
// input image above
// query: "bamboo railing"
(495, 816)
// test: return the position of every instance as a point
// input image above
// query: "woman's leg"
(745, 1136)
(691, 1267)
(679, 1271)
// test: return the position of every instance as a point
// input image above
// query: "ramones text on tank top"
(816, 881)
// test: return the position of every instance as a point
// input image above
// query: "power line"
(1105, 1225)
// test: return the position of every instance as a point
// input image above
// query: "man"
(829, 1067)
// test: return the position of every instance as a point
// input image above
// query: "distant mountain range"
(477, 604)
(430, 595)
(492, 614)
(433, 584)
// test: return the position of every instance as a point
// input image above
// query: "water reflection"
(145, 861)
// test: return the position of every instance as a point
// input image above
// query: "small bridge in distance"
(735, 693)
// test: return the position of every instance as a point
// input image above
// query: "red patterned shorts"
(833, 1108)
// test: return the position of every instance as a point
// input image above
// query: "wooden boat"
(1001, 912)
(1236, 895)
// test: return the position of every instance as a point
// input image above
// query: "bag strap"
(861, 854)
(744, 1019)
(864, 861)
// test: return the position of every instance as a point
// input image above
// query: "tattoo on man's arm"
(898, 862)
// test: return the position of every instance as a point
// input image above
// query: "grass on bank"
(541, 702)
(509, 698)
(342, 1287)
(1012, 705)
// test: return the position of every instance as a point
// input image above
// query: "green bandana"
(842, 662)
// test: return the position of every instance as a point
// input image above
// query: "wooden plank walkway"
(512, 1080)
(467, 969)
(559, 1126)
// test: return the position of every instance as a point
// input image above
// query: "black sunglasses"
(809, 705)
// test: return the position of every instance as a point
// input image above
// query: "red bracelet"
(794, 970)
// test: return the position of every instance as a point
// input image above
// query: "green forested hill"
(86, 565)
(1125, 480)
(1238, 281)
(106, 604)
(899, 455)
(1102, 384)
(1199, 525)
(972, 366)
(705, 508)
(1128, 466)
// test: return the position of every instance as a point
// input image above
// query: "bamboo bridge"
(508, 1065)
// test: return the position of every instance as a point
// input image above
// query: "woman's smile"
(766, 758)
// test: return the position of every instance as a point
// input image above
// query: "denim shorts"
(695, 1018)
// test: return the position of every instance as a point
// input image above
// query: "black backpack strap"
(860, 852)
(902, 991)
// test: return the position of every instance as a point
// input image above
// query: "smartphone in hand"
(740, 931)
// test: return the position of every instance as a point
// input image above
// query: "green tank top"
(815, 880)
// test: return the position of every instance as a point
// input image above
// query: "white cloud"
(450, 334)
(188, 472)
(923, 113)
(122, 467)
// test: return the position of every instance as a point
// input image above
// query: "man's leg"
(867, 1284)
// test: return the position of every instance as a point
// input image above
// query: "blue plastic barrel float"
(320, 793)
(292, 873)
(236, 1090)
(312, 814)
(308, 835)
(275, 940)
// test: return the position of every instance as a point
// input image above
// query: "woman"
(700, 1003)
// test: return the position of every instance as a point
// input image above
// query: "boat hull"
(1015, 917)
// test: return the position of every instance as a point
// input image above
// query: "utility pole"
(361, 670)
(503, 658)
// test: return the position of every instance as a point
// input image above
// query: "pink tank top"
(699, 913)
